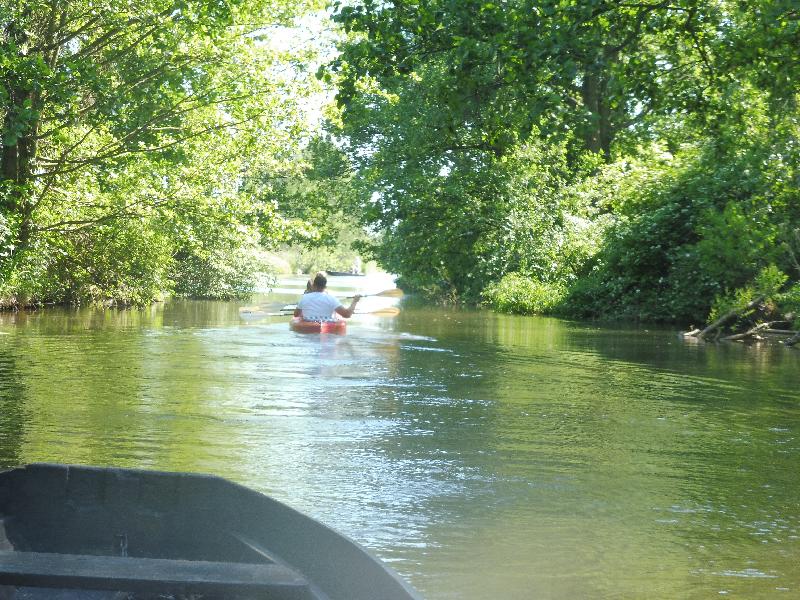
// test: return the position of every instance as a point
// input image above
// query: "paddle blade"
(250, 309)
(251, 314)
(391, 311)
(395, 293)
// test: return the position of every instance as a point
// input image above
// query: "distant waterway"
(483, 456)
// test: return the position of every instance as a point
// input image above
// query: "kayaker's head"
(309, 286)
(320, 281)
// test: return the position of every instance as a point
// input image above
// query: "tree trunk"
(599, 132)
(590, 93)
(18, 154)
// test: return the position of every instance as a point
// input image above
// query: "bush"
(223, 268)
(120, 263)
(788, 304)
(767, 284)
(517, 294)
(699, 225)
(646, 269)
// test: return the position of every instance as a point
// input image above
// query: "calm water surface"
(483, 456)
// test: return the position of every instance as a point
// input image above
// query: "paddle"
(393, 293)
(389, 311)
(252, 312)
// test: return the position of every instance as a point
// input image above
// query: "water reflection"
(485, 456)
(13, 413)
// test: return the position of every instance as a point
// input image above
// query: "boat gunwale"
(317, 532)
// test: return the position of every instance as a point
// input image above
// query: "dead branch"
(749, 333)
(728, 317)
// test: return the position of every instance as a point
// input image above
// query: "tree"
(138, 113)
(698, 94)
(596, 68)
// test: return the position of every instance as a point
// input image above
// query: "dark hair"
(320, 280)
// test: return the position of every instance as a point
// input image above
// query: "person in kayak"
(319, 305)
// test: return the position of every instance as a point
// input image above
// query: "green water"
(483, 456)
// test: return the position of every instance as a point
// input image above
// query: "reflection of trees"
(192, 398)
(61, 321)
(81, 381)
(201, 313)
(91, 378)
(13, 411)
(588, 438)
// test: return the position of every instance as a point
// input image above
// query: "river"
(483, 456)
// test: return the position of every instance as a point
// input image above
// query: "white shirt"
(318, 305)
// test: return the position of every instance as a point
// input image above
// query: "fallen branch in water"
(793, 340)
(793, 337)
(749, 333)
(726, 318)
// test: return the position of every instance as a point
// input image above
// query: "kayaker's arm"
(348, 312)
(298, 312)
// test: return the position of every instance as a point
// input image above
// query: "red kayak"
(338, 326)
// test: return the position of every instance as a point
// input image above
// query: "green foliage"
(127, 128)
(308, 193)
(638, 160)
(697, 225)
(515, 293)
(120, 263)
(469, 124)
(508, 217)
(769, 282)
(608, 72)
(5, 235)
(766, 286)
(309, 228)
(788, 303)
(123, 263)
(451, 222)
(226, 270)
(344, 253)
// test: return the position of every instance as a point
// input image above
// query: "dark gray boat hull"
(149, 532)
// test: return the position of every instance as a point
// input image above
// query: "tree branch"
(80, 164)
(106, 39)
(749, 333)
(726, 318)
(793, 340)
